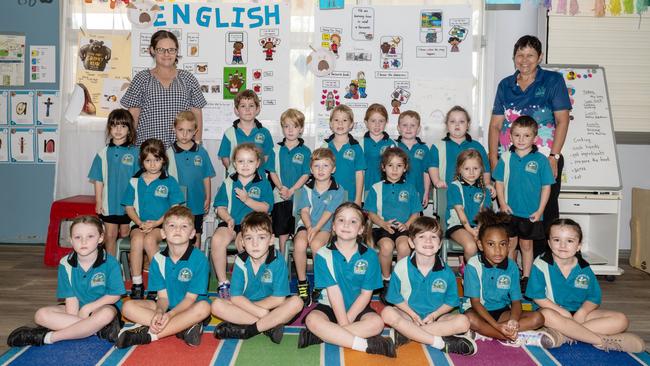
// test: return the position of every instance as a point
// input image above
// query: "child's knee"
(526, 245)
(201, 309)
(295, 303)
(390, 316)
(386, 246)
(537, 319)
(620, 320)
(41, 316)
(462, 321)
(551, 317)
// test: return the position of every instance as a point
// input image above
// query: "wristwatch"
(556, 156)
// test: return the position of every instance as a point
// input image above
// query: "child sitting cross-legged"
(259, 289)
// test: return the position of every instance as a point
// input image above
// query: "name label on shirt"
(185, 275)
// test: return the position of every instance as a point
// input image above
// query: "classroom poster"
(4, 144)
(4, 101)
(22, 145)
(42, 64)
(22, 107)
(12, 60)
(46, 144)
(48, 107)
(104, 69)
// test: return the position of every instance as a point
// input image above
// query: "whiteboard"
(590, 159)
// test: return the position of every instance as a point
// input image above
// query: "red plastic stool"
(62, 210)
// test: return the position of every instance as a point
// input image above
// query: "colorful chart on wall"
(46, 144)
(406, 57)
(228, 47)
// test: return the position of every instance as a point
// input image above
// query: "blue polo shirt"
(320, 202)
(399, 200)
(152, 200)
(571, 292)
(372, 151)
(349, 160)
(528, 174)
(472, 197)
(423, 293)
(192, 167)
(258, 189)
(497, 286)
(360, 273)
(119, 163)
(419, 162)
(452, 151)
(271, 279)
(188, 275)
(104, 277)
(547, 94)
(291, 163)
(259, 135)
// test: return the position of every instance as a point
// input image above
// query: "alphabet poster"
(46, 144)
(4, 101)
(22, 107)
(48, 107)
(22, 145)
(229, 48)
(4, 144)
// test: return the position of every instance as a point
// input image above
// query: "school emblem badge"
(348, 154)
(267, 276)
(382, 149)
(127, 159)
(360, 267)
(255, 192)
(478, 197)
(198, 161)
(439, 285)
(259, 138)
(503, 282)
(419, 154)
(161, 191)
(403, 196)
(581, 282)
(185, 275)
(540, 92)
(99, 279)
(299, 158)
(531, 167)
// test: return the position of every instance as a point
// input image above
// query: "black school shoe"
(378, 345)
(399, 339)
(111, 330)
(460, 345)
(275, 334)
(307, 338)
(225, 330)
(152, 295)
(383, 293)
(192, 335)
(137, 292)
(134, 336)
(303, 293)
(27, 336)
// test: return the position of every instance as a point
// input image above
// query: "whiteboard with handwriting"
(590, 160)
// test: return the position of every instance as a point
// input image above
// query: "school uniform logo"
(531, 167)
(403, 196)
(478, 197)
(540, 92)
(127, 159)
(348, 154)
(360, 267)
(161, 191)
(255, 192)
(503, 282)
(327, 199)
(382, 149)
(439, 286)
(99, 279)
(581, 282)
(419, 154)
(267, 276)
(185, 275)
(259, 138)
(299, 158)
(198, 161)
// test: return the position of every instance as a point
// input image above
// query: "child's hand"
(285, 193)
(84, 312)
(580, 317)
(513, 325)
(388, 226)
(311, 233)
(506, 208)
(535, 216)
(440, 184)
(159, 322)
(146, 226)
(429, 318)
(98, 208)
(241, 194)
(474, 232)
(493, 191)
(506, 331)
(206, 205)
(425, 199)
(231, 223)
(399, 226)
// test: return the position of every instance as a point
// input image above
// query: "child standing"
(288, 170)
(566, 289)
(318, 199)
(111, 170)
(467, 195)
(444, 153)
(348, 272)
(408, 126)
(423, 291)
(492, 284)
(260, 301)
(240, 193)
(524, 181)
(190, 164)
(180, 275)
(245, 129)
(150, 193)
(349, 154)
(90, 281)
(392, 205)
(374, 143)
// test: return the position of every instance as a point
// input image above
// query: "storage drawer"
(572, 205)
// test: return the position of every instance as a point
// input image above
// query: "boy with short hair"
(245, 129)
(190, 164)
(316, 202)
(524, 179)
(259, 293)
(288, 170)
(180, 275)
(408, 125)
(424, 291)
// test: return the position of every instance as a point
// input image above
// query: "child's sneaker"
(399, 339)
(315, 295)
(523, 284)
(137, 292)
(307, 338)
(275, 334)
(192, 335)
(303, 292)
(623, 342)
(225, 330)
(471, 334)
(557, 338)
(27, 336)
(383, 293)
(378, 345)
(111, 330)
(133, 336)
(152, 295)
(516, 343)
(224, 290)
(538, 338)
(461, 345)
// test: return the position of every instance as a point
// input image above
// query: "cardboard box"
(640, 229)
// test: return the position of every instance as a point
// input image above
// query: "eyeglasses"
(171, 51)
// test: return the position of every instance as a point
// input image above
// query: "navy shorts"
(525, 229)
(198, 223)
(379, 233)
(225, 224)
(116, 219)
(282, 218)
(329, 312)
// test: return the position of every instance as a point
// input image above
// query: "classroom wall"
(635, 172)
(26, 189)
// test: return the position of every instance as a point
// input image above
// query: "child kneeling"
(180, 275)
(424, 291)
(259, 290)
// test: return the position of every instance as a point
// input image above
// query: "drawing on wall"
(4, 102)
(46, 144)
(22, 144)
(94, 55)
(47, 107)
(431, 26)
(321, 62)
(4, 144)
(234, 81)
(269, 44)
(22, 107)
(236, 48)
(142, 14)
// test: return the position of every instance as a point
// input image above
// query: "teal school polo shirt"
(259, 135)
(472, 197)
(419, 163)
(188, 275)
(399, 200)
(291, 164)
(271, 279)
(496, 286)
(320, 202)
(154, 199)
(119, 163)
(192, 166)
(452, 151)
(349, 160)
(372, 151)
(258, 189)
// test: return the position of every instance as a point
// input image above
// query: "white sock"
(137, 280)
(154, 337)
(48, 338)
(438, 343)
(385, 279)
(359, 344)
